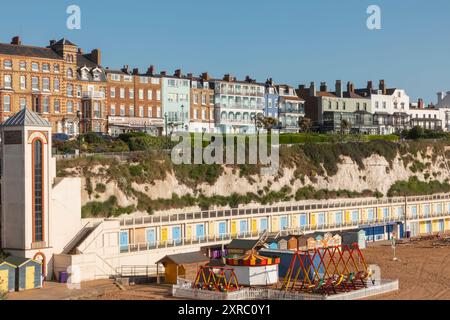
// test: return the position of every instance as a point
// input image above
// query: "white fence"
(184, 289)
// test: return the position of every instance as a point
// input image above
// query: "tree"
(345, 127)
(267, 123)
(416, 133)
(305, 124)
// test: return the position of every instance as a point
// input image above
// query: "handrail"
(347, 204)
(74, 239)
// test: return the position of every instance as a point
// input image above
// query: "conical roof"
(26, 118)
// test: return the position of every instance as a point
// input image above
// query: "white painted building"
(443, 103)
(40, 214)
(390, 107)
(238, 104)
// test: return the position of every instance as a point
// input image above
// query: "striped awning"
(252, 260)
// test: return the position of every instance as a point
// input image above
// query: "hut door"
(4, 281)
(29, 277)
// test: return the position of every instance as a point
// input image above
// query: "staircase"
(84, 233)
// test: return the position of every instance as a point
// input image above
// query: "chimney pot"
(151, 70)
(16, 40)
(205, 76)
(178, 73)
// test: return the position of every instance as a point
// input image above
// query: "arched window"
(38, 224)
(69, 73)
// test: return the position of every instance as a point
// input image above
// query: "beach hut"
(7, 277)
(28, 273)
(255, 270)
(240, 247)
(184, 265)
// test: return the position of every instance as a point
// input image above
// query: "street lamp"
(165, 123)
(79, 115)
(182, 117)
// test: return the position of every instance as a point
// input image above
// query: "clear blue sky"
(293, 41)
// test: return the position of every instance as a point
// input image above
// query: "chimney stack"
(370, 86)
(96, 56)
(312, 89)
(178, 73)
(190, 76)
(80, 51)
(150, 70)
(350, 87)
(135, 71)
(52, 42)
(16, 40)
(323, 87)
(339, 91)
(163, 73)
(382, 87)
(205, 76)
(248, 79)
(227, 77)
(420, 103)
(126, 69)
(301, 87)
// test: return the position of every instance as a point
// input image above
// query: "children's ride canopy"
(252, 260)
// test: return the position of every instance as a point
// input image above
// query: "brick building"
(134, 101)
(202, 104)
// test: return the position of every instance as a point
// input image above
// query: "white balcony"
(93, 95)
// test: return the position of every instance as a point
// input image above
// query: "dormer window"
(84, 74)
(96, 76)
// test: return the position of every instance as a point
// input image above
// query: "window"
(35, 83)
(45, 67)
(172, 97)
(141, 94)
(128, 78)
(384, 105)
(7, 64)
(143, 79)
(131, 111)
(8, 81)
(203, 114)
(97, 113)
(377, 104)
(35, 66)
(38, 190)
(57, 106)
(122, 93)
(122, 111)
(56, 84)
(46, 84)
(45, 102)
(112, 92)
(69, 73)
(115, 77)
(141, 112)
(23, 65)
(69, 90)
(155, 81)
(403, 105)
(56, 68)
(211, 99)
(203, 99)
(395, 105)
(113, 110)
(23, 103)
(158, 95)
(96, 76)
(79, 91)
(195, 114)
(150, 95)
(7, 103)
(195, 99)
(131, 93)
(158, 112)
(149, 112)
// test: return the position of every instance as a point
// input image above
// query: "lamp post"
(165, 123)
(79, 115)
(182, 117)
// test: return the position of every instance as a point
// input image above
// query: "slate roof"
(66, 42)
(17, 261)
(185, 258)
(26, 117)
(28, 51)
(242, 244)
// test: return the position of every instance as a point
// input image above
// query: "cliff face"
(372, 173)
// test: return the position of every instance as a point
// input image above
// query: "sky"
(292, 41)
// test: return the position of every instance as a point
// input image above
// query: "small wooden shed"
(28, 273)
(184, 265)
(241, 247)
(7, 277)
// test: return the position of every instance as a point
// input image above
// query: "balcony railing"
(93, 95)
